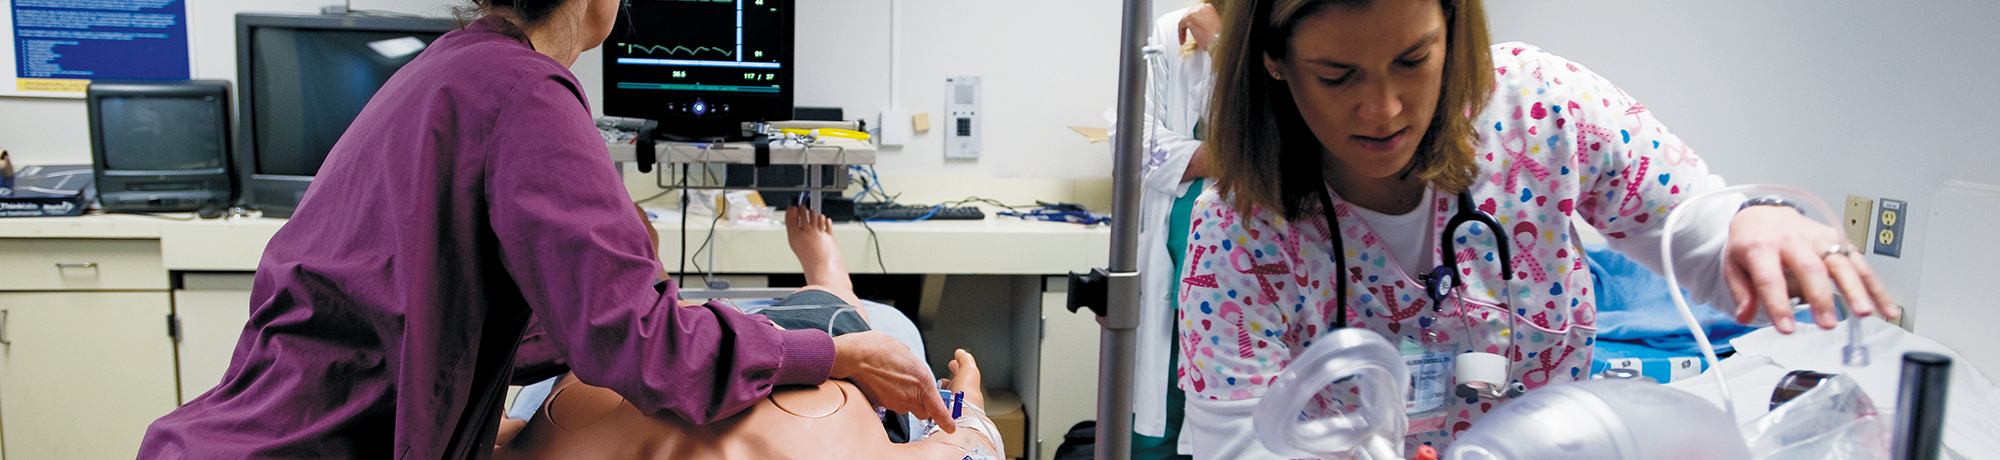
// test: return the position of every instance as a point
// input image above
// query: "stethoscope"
(1479, 374)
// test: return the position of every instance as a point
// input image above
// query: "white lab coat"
(1177, 96)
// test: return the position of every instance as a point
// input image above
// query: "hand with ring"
(1774, 253)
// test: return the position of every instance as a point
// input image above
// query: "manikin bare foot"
(965, 377)
(811, 237)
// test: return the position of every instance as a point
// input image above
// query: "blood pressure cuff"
(536, 358)
(816, 309)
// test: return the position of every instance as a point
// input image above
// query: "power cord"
(995, 203)
(877, 242)
(707, 277)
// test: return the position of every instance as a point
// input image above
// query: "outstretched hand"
(885, 370)
(1774, 253)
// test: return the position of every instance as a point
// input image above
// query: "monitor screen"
(307, 85)
(163, 133)
(698, 64)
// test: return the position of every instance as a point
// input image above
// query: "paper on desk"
(1972, 408)
(1095, 134)
(662, 214)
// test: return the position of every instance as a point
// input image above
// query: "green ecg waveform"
(672, 50)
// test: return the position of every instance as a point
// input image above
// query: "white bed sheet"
(1972, 412)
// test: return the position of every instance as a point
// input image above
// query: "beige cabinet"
(82, 373)
(86, 362)
(77, 264)
(212, 309)
(1069, 352)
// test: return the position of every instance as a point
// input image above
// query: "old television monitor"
(700, 68)
(160, 145)
(301, 81)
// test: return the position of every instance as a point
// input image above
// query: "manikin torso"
(832, 420)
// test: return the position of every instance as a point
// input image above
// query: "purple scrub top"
(472, 191)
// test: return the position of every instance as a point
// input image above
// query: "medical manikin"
(832, 420)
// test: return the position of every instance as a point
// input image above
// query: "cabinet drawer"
(80, 264)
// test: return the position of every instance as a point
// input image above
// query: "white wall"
(55, 131)
(1046, 65)
(1840, 97)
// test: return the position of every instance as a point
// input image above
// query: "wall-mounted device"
(961, 116)
(160, 145)
(1889, 222)
(701, 69)
(302, 79)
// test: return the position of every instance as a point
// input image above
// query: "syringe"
(1855, 354)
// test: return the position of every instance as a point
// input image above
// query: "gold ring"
(1835, 249)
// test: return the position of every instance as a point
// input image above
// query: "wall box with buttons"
(961, 117)
(1889, 223)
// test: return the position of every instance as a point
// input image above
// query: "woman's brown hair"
(1262, 154)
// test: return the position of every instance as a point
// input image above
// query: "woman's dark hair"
(528, 11)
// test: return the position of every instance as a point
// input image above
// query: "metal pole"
(1121, 323)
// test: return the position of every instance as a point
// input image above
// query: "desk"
(991, 287)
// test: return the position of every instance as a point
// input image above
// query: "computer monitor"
(160, 145)
(302, 80)
(700, 68)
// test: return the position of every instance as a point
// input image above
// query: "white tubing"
(1674, 285)
(1334, 356)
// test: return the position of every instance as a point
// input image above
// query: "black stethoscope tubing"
(1439, 283)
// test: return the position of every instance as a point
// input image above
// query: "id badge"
(1430, 379)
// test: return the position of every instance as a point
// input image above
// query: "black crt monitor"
(302, 79)
(160, 145)
(701, 68)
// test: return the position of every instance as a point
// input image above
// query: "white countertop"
(996, 245)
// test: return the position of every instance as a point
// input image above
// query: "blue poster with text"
(93, 39)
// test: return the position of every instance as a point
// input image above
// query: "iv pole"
(1116, 349)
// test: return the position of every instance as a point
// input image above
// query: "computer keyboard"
(893, 211)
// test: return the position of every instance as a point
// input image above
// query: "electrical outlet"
(1858, 221)
(1889, 223)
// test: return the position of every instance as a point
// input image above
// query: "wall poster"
(55, 47)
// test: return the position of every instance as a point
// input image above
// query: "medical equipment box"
(1005, 410)
(47, 191)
